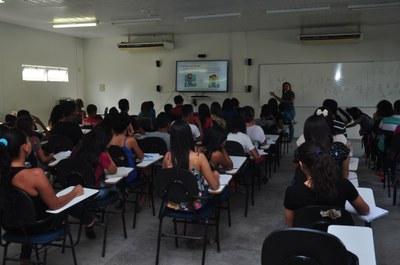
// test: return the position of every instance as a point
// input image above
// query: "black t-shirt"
(70, 129)
(299, 195)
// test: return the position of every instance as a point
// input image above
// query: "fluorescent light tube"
(374, 6)
(75, 25)
(237, 14)
(137, 21)
(294, 10)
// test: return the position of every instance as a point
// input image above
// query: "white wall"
(134, 74)
(20, 45)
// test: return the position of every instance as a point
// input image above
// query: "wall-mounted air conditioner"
(330, 38)
(148, 42)
(145, 45)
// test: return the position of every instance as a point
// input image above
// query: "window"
(44, 73)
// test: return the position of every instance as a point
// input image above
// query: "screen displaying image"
(202, 76)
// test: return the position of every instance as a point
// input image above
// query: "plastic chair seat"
(110, 198)
(202, 213)
(40, 238)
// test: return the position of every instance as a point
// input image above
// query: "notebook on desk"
(121, 172)
(151, 156)
(62, 155)
(375, 212)
(87, 192)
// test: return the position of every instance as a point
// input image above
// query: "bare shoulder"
(130, 141)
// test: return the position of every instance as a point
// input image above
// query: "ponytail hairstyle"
(327, 113)
(317, 130)
(324, 173)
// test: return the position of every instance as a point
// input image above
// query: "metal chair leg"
(103, 253)
(159, 240)
(175, 232)
(204, 242)
(72, 248)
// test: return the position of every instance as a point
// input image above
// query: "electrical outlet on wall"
(102, 87)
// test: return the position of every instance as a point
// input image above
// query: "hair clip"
(318, 152)
(322, 112)
(4, 141)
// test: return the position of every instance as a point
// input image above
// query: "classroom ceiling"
(41, 14)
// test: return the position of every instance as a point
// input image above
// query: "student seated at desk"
(213, 147)
(122, 136)
(255, 132)
(317, 130)
(93, 150)
(35, 120)
(56, 116)
(163, 123)
(25, 124)
(183, 156)
(237, 133)
(187, 116)
(323, 185)
(92, 119)
(14, 147)
(68, 126)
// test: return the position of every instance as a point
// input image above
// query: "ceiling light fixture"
(137, 21)
(75, 24)
(294, 10)
(2, 1)
(374, 6)
(237, 14)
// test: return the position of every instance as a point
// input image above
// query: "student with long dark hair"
(205, 117)
(322, 186)
(14, 147)
(317, 130)
(93, 150)
(213, 147)
(183, 156)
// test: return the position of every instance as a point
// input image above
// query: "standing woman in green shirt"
(287, 99)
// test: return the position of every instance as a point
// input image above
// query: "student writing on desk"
(93, 150)
(323, 185)
(183, 156)
(14, 147)
(213, 147)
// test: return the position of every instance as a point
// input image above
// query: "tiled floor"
(241, 243)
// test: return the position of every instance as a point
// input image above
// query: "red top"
(90, 121)
(104, 162)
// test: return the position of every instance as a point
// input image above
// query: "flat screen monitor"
(202, 76)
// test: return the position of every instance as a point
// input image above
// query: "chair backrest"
(234, 148)
(118, 155)
(18, 209)
(302, 246)
(58, 143)
(176, 185)
(153, 145)
(321, 216)
(73, 171)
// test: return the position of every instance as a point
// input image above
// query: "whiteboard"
(361, 84)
